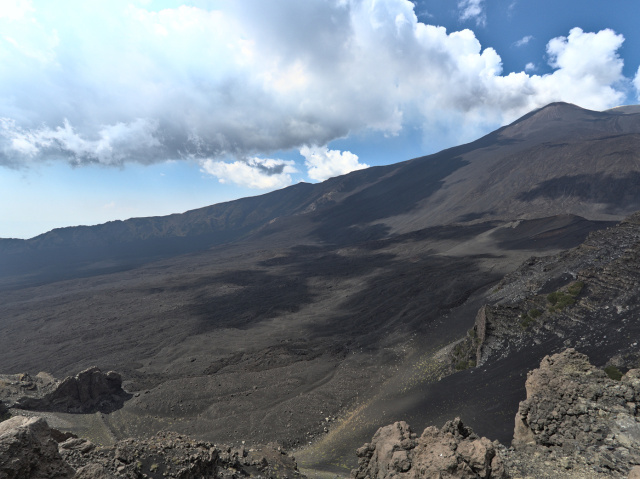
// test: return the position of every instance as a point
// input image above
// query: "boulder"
(89, 391)
(451, 452)
(27, 451)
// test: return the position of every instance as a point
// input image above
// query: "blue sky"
(111, 110)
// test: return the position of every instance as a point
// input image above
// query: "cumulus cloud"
(530, 67)
(115, 82)
(523, 41)
(258, 173)
(636, 83)
(472, 10)
(323, 163)
(587, 69)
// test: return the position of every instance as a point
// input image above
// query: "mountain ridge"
(586, 159)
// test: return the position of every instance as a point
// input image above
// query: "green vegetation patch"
(613, 372)
(462, 365)
(575, 289)
(558, 300)
(527, 322)
(464, 353)
(527, 319)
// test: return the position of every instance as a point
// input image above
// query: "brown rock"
(635, 473)
(452, 452)
(28, 451)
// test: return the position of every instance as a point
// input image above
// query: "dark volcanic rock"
(451, 452)
(586, 297)
(4, 412)
(27, 451)
(89, 391)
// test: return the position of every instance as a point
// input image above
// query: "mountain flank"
(560, 154)
(313, 315)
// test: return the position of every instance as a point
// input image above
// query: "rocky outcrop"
(169, 454)
(576, 422)
(89, 391)
(27, 451)
(575, 408)
(451, 452)
(587, 297)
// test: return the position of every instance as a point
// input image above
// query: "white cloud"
(472, 10)
(636, 84)
(323, 163)
(113, 82)
(530, 67)
(523, 41)
(258, 173)
(112, 146)
(588, 69)
(15, 9)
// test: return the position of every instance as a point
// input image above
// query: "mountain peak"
(554, 111)
(552, 117)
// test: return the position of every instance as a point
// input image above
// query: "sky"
(128, 108)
